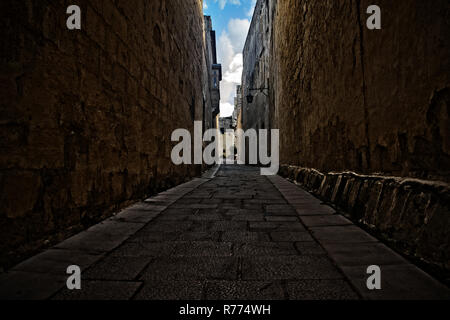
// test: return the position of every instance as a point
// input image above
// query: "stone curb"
(411, 213)
(353, 250)
(43, 275)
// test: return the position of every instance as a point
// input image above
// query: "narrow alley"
(223, 150)
(231, 234)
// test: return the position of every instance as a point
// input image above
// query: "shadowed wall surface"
(370, 101)
(86, 115)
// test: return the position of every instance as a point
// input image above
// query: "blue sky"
(231, 20)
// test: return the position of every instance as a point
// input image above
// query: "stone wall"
(211, 94)
(350, 98)
(255, 75)
(363, 114)
(207, 67)
(412, 214)
(86, 116)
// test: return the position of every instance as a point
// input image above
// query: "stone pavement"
(232, 235)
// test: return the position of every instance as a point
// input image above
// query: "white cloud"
(252, 9)
(205, 5)
(227, 93)
(230, 47)
(226, 109)
(225, 51)
(234, 72)
(237, 31)
(223, 3)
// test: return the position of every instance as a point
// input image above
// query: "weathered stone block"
(84, 133)
(20, 191)
(434, 242)
(327, 186)
(352, 204)
(412, 213)
(371, 212)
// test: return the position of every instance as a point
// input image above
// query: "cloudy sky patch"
(231, 20)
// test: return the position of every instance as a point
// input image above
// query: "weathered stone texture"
(413, 214)
(255, 75)
(86, 116)
(348, 98)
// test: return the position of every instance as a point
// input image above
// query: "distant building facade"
(212, 77)
(237, 106)
(227, 137)
(256, 92)
(237, 115)
(225, 123)
(256, 75)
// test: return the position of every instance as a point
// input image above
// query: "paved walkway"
(235, 235)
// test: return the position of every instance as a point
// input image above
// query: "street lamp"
(250, 96)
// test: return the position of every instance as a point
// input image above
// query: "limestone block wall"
(255, 73)
(363, 114)
(86, 115)
(207, 70)
(350, 98)
(411, 214)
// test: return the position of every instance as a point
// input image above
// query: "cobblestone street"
(196, 153)
(232, 234)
